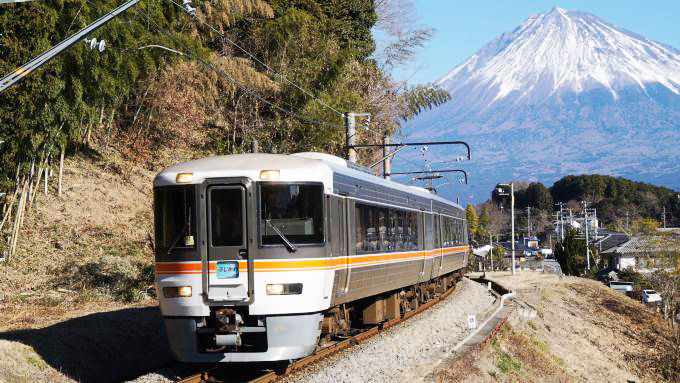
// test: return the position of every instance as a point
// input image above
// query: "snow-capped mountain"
(564, 93)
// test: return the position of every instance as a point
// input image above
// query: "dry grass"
(463, 369)
(598, 334)
(88, 249)
(20, 363)
(584, 331)
(511, 357)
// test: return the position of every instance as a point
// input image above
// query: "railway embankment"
(77, 300)
(407, 351)
(566, 329)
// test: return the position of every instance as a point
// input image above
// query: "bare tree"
(399, 35)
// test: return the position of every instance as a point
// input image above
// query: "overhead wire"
(252, 56)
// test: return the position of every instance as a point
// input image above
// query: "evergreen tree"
(570, 254)
(472, 220)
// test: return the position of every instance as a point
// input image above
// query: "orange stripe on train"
(269, 265)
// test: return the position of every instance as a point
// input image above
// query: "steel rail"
(271, 376)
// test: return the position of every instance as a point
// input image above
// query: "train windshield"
(175, 219)
(291, 212)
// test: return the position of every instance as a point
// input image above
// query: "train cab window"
(293, 210)
(175, 219)
(226, 216)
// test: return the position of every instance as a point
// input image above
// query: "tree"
(484, 222)
(570, 254)
(472, 221)
(644, 226)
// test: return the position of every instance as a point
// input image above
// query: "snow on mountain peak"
(564, 51)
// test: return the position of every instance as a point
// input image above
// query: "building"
(642, 253)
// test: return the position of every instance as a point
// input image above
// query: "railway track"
(225, 374)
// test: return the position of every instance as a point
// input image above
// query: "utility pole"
(387, 163)
(626, 221)
(512, 219)
(561, 223)
(528, 221)
(664, 217)
(512, 213)
(491, 250)
(585, 215)
(351, 128)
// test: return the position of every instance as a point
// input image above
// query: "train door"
(429, 242)
(437, 246)
(338, 225)
(343, 218)
(228, 278)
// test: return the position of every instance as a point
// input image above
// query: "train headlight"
(177, 291)
(284, 289)
(184, 178)
(270, 175)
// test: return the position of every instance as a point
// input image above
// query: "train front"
(242, 272)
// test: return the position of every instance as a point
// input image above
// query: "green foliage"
(570, 254)
(613, 196)
(56, 104)
(644, 226)
(504, 361)
(422, 97)
(322, 45)
(472, 220)
(639, 280)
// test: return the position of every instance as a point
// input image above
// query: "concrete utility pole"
(528, 221)
(664, 217)
(351, 127)
(626, 220)
(559, 216)
(512, 219)
(512, 213)
(491, 250)
(585, 215)
(387, 162)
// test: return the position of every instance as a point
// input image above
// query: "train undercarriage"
(230, 334)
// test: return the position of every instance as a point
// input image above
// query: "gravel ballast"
(408, 351)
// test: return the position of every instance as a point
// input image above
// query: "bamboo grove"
(169, 85)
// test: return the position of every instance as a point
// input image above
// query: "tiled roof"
(642, 246)
(611, 241)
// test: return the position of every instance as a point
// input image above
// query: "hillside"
(613, 197)
(580, 331)
(88, 250)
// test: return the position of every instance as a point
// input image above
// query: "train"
(266, 257)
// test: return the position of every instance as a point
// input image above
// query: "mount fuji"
(564, 93)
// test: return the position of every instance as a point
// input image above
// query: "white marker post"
(472, 322)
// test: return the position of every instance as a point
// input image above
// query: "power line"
(252, 56)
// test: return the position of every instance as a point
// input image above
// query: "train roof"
(299, 167)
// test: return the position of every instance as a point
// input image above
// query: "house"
(642, 253)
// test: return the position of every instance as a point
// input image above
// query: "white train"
(259, 257)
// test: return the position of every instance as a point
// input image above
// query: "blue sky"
(464, 26)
